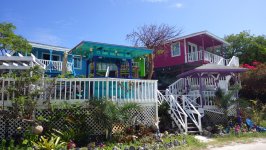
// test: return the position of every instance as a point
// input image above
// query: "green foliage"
(3, 144)
(164, 116)
(10, 41)
(247, 47)
(107, 113)
(253, 83)
(25, 90)
(66, 75)
(52, 143)
(258, 111)
(74, 123)
(224, 100)
(28, 137)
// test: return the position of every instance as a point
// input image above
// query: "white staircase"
(177, 113)
(187, 104)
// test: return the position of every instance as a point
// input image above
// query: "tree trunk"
(151, 65)
(64, 64)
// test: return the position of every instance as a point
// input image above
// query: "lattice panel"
(12, 126)
(2, 127)
(146, 115)
(215, 118)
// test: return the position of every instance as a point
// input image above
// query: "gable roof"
(89, 49)
(200, 33)
(212, 68)
(49, 47)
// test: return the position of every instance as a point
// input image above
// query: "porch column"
(118, 64)
(203, 45)
(185, 50)
(130, 68)
(201, 89)
(95, 58)
(50, 63)
(87, 68)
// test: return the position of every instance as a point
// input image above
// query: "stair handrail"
(234, 62)
(187, 103)
(161, 98)
(180, 84)
(213, 58)
(174, 106)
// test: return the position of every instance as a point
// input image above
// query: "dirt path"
(258, 144)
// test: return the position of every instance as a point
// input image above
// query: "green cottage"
(109, 60)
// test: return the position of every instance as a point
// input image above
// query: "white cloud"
(178, 5)
(45, 36)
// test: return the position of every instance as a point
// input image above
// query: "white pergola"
(19, 62)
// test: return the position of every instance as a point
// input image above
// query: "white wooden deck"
(82, 89)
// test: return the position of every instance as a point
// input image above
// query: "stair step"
(193, 132)
(192, 127)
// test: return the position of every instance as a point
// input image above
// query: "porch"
(82, 89)
(208, 57)
(57, 66)
(109, 60)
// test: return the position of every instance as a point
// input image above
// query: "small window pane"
(175, 49)
(77, 62)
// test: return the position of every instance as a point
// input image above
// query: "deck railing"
(211, 58)
(207, 56)
(81, 89)
(55, 65)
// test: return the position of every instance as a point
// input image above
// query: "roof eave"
(199, 33)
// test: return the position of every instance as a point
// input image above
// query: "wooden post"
(203, 45)
(185, 50)
(118, 69)
(87, 68)
(130, 68)
(201, 89)
(50, 63)
(95, 66)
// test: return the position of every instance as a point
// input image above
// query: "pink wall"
(165, 59)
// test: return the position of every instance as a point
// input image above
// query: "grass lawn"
(232, 138)
(194, 144)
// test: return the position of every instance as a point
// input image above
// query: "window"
(47, 57)
(77, 62)
(175, 49)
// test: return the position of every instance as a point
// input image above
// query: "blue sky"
(67, 22)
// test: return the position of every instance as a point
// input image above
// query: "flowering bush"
(254, 82)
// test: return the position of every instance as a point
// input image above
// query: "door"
(193, 52)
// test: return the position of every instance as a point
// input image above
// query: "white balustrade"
(178, 87)
(191, 110)
(234, 62)
(81, 89)
(209, 97)
(177, 112)
(55, 65)
(212, 58)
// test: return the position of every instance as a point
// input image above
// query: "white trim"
(200, 33)
(192, 44)
(80, 57)
(185, 50)
(49, 47)
(172, 49)
(52, 56)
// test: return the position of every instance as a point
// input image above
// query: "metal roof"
(212, 68)
(49, 47)
(89, 49)
(200, 33)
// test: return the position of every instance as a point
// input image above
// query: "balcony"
(55, 65)
(211, 58)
